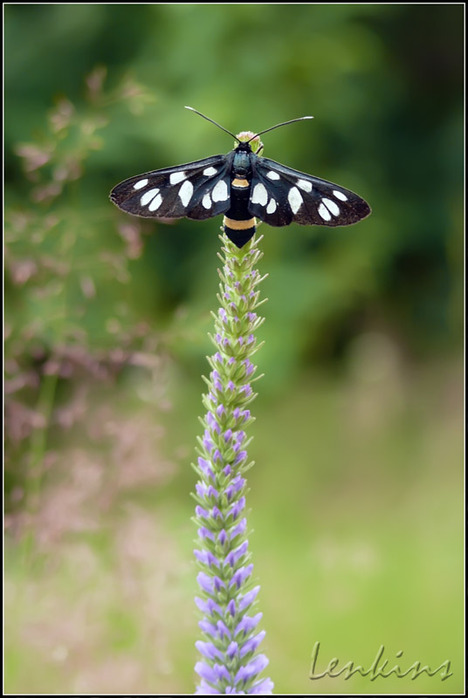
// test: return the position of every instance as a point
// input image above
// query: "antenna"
(213, 122)
(283, 123)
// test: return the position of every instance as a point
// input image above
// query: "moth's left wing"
(280, 195)
(199, 190)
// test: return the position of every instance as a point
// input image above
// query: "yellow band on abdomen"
(241, 183)
(239, 225)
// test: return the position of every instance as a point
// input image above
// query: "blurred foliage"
(106, 316)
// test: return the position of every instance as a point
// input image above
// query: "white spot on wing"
(148, 196)
(139, 185)
(206, 201)
(273, 175)
(156, 203)
(340, 195)
(210, 171)
(177, 177)
(324, 212)
(332, 207)
(304, 184)
(220, 191)
(271, 208)
(295, 199)
(185, 192)
(259, 195)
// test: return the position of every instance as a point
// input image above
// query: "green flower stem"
(230, 661)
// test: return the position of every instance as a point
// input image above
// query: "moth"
(243, 186)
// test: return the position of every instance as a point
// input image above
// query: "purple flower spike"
(240, 436)
(235, 487)
(200, 512)
(237, 508)
(206, 672)
(247, 599)
(239, 577)
(247, 624)
(208, 607)
(249, 367)
(207, 442)
(205, 533)
(252, 668)
(262, 688)
(230, 659)
(205, 467)
(221, 672)
(205, 557)
(206, 582)
(239, 529)
(232, 650)
(223, 537)
(204, 689)
(252, 643)
(224, 632)
(212, 422)
(208, 650)
(233, 557)
(241, 456)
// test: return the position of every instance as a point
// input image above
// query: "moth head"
(251, 138)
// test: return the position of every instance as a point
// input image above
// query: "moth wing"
(198, 190)
(280, 196)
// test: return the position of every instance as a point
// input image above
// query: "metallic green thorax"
(241, 162)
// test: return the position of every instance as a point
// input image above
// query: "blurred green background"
(356, 497)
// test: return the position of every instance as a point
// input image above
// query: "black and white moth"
(243, 186)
